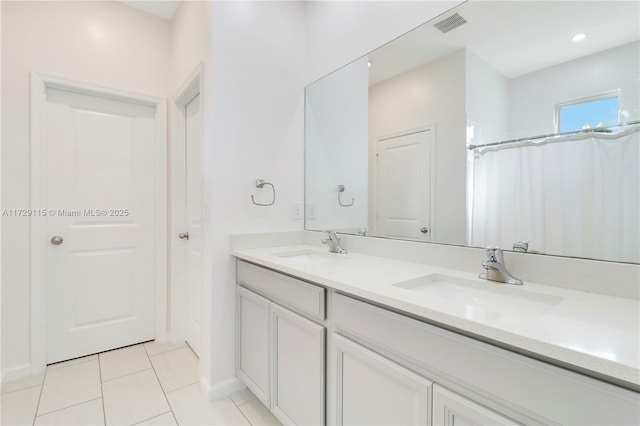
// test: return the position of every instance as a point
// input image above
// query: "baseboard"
(15, 373)
(220, 390)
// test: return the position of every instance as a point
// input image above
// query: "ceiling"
(514, 37)
(164, 9)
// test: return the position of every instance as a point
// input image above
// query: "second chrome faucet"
(496, 269)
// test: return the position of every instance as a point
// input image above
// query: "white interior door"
(404, 186)
(100, 181)
(194, 222)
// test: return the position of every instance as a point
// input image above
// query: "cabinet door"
(298, 347)
(252, 342)
(373, 390)
(451, 409)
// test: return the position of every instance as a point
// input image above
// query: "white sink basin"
(309, 257)
(481, 300)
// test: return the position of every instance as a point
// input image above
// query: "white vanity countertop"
(589, 331)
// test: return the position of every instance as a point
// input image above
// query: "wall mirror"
(507, 123)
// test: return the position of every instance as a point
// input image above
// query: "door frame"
(39, 84)
(432, 172)
(191, 87)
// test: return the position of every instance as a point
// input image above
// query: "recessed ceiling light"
(369, 64)
(579, 37)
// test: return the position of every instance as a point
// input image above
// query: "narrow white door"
(404, 186)
(194, 222)
(252, 343)
(100, 195)
(297, 354)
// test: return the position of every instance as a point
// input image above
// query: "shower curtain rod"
(553, 135)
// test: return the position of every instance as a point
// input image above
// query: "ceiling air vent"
(450, 23)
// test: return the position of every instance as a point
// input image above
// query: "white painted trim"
(189, 90)
(220, 390)
(162, 284)
(39, 84)
(15, 373)
(432, 172)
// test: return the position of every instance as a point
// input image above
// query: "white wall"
(339, 32)
(486, 100)
(257, 114)
(336, 151)
(102, 43)
(431, 94)
(532, 97)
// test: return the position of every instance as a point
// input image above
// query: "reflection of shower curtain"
(577, 196)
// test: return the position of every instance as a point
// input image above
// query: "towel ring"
(260, 183)
(340, 191)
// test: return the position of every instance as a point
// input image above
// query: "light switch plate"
(311, 210)
(296, 211)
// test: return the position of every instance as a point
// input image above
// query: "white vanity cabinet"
(492, 385)
(372, 390)
(281, 343)
(386, 367)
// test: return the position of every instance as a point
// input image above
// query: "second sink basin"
(479, 299)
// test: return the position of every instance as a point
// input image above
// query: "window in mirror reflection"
(587, 113)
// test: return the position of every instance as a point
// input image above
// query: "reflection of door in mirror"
(403, 190)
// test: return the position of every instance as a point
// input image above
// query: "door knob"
(424, 229)
(183, 236)
(56, 240)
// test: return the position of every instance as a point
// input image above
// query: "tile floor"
(147, 384)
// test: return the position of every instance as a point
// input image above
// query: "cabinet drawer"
(516, 385)
(300, 296)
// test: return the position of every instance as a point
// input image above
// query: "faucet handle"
(522, 245)
(331, 235)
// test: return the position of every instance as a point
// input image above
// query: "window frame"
(604, 95)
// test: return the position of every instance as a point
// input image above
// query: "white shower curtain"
(577, 196)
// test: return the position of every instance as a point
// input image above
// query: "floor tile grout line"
(244, 403)
(180, 388)
(174, 415)
(64, 408)
(155, 373)
(163, 352)
(104, 412)
(125, 375)
(21, 389)
(152, 417)
(35, 415)
(243, 415)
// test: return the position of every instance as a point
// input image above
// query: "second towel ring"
(260, 183)
(340, 191)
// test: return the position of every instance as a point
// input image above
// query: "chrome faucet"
(496, 270)
(333, 242)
